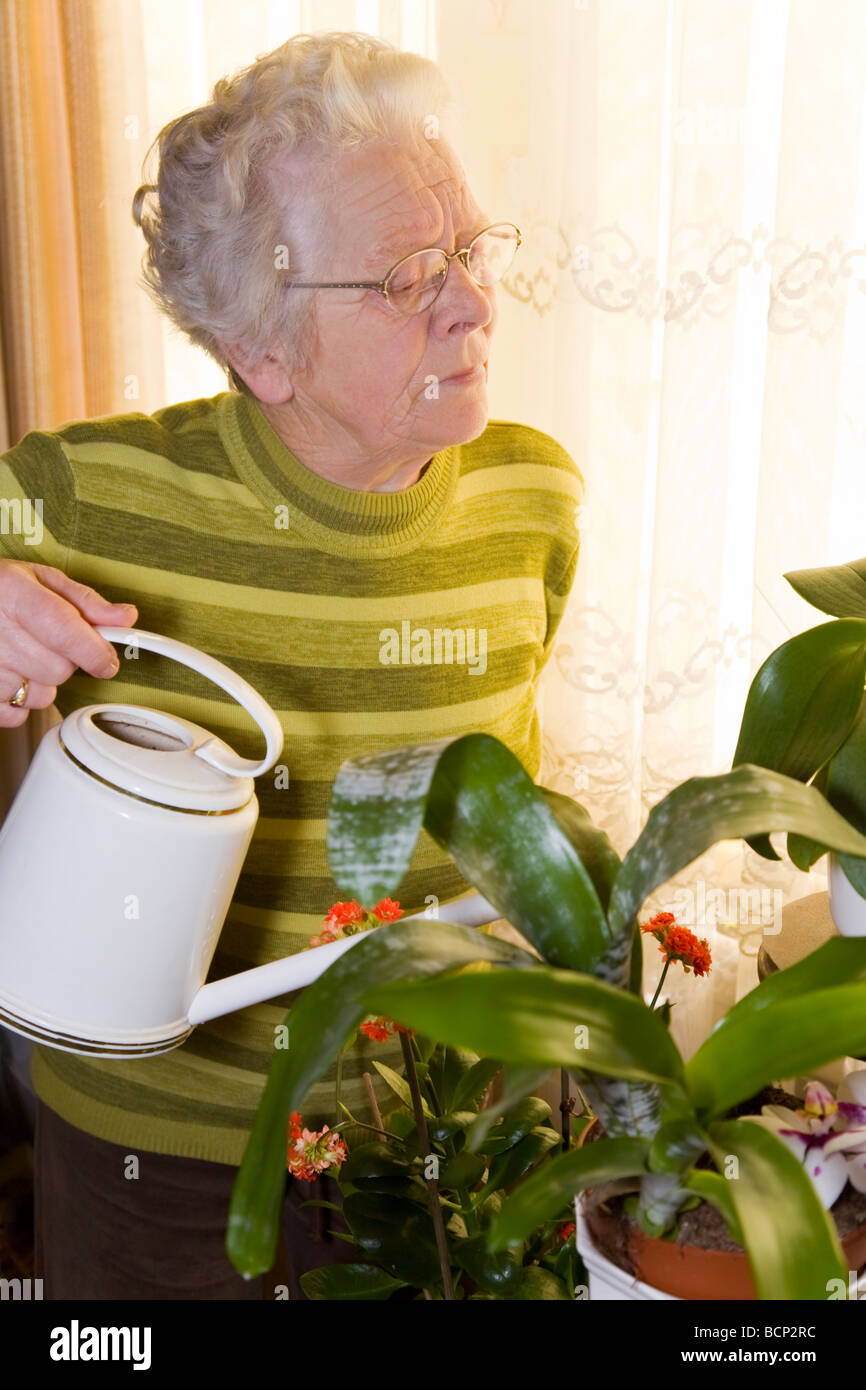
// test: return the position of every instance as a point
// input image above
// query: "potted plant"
(805, 716)
(418, 1203)
(573, 998)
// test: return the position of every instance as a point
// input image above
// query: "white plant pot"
(608, 1281)
(847, 908)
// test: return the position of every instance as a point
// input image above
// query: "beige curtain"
(687, 316)
(76, 340)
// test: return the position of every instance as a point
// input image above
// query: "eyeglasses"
(417, 280)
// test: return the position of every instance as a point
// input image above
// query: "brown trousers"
(100, 1234)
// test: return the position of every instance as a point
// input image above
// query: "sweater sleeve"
(37, 502)
(565, 547)
(556, 598)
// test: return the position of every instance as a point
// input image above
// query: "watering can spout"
(265, 982)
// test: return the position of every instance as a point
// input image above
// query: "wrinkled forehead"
(404, 195)
(382, 200)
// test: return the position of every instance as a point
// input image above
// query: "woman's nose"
(462, 290)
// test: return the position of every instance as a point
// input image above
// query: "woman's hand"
(47, 631)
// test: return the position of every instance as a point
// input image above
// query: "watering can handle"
(229, 681)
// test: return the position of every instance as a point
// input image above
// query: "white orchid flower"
(828, 1136)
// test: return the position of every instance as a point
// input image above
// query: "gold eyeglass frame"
(382, 285)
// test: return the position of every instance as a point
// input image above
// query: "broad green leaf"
(539, 1015)
(507, 1167)
(400, 1122)
(793, 1038)
(729, 806)
(802, 851)
(545, 1192)
(349, 1281)
(377, 1167)
(397, 1234)
(473, 1084)
(515, 1123)
(791, 1242)
(375, 815)
(498, 1273)
(375, 1159)
(476, 800)
(840, 961)
(846, 791)
(490, 1207)
(802, 703)
(444, 1127)
(485, 809)
(538, 1283)
(712, 1187)
(322, 1021)
(448, 1067)
(597, 854)
(464, 1170)
(399, 1086)
(836, 589)
(804, 699)
(517, 1083)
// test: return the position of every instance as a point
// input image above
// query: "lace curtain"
(687, 316)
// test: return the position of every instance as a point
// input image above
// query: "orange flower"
(377, 1029)
(387, 910)
(350, 918)
(381, 1029)
(343, 913)
(310, 1152)
(678, 943)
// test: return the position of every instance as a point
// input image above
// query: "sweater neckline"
(331, 517)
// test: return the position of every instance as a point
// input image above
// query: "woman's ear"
(269, 380)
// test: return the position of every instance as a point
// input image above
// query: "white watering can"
(118, 861)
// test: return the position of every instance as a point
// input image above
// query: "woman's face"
(378, 382)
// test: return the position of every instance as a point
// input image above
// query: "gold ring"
(20, 694)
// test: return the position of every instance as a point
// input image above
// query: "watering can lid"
(154, 757)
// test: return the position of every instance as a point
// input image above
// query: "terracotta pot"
(691, 1271)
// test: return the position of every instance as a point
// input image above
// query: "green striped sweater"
(320, 596)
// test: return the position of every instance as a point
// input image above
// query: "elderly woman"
(314, 527)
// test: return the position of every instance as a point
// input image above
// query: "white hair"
(215, 222)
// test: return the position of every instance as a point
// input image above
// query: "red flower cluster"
(347, 919)
(382, 1028)
(310, 1152)
(677, 943)
(565, 1232)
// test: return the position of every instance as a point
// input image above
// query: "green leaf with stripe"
(476, 800)
(729, 806)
